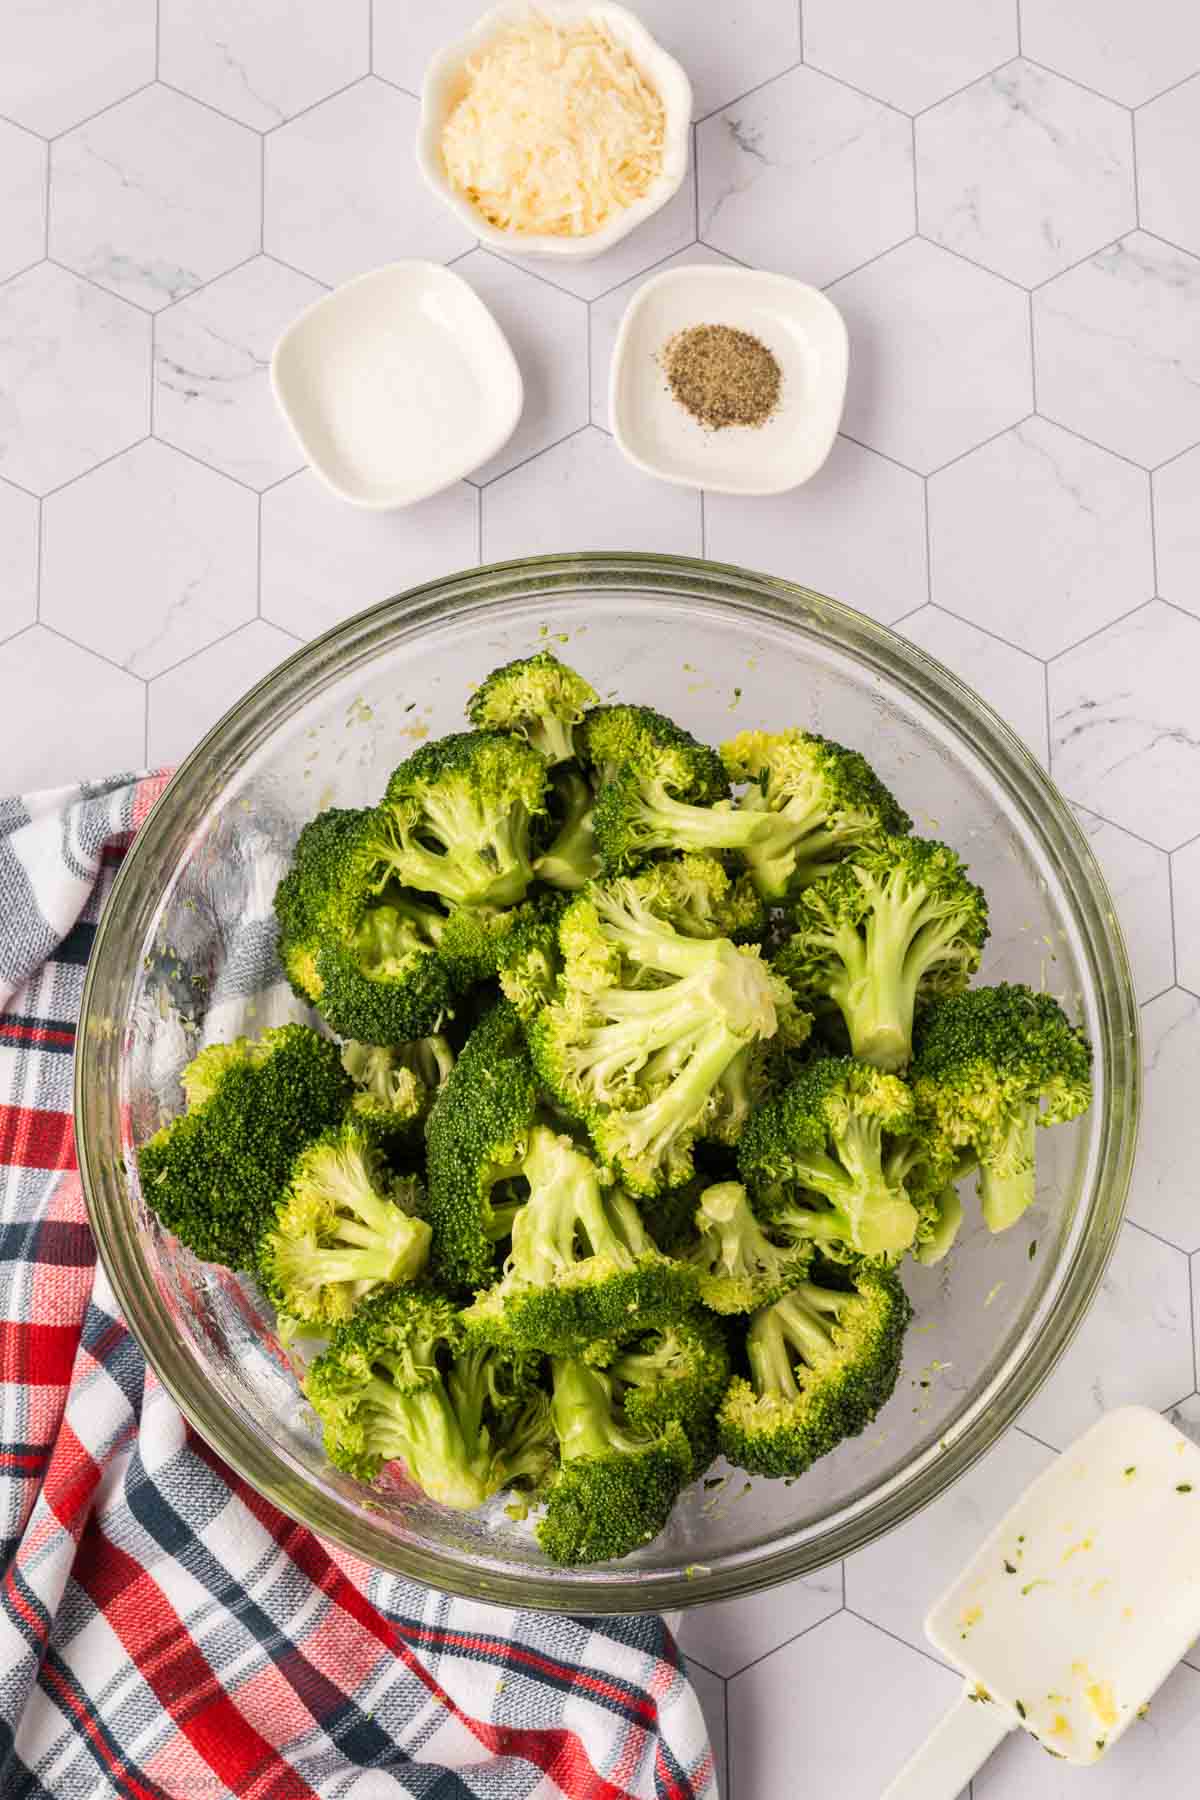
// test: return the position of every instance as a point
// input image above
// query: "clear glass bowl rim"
(151, 862)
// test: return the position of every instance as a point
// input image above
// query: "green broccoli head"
(613, 738)
(697, 895)
(678, 1372)
(582, 1264)
(896, 923)
(739, 1267)
(815, 801)
(569, 860)
(539, 698)
(457, 818)
(992, 1064)
(363, 952)
(215, 1174)
(343, 1228)
(476, 1137)
(823, 1360)
(827, 1134)
(941, 1219)
(404, 1380)
(616, 1482)
(644, 1024)
(394, 1086)
(529, 957)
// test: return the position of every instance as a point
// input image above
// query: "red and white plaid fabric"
(165, 1634)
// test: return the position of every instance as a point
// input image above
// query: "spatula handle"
(959, 1744)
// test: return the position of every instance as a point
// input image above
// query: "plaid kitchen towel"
(165, 1634)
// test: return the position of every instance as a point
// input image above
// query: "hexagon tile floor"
(1002, 199)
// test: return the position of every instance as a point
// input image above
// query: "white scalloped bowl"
(441, 86)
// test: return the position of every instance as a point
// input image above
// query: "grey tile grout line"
(912, 123)
(39, 559)
(281, 124)
(1174, 606)
(293, 268)
(1124, 829)
(1020, 29)
(727, 1771)
(776, 1648)
(258, 611)
(703, 528)
(398, 87)
(607, 293)
(983, 268)
(1177, 457)
(1153, 515)
(928, 541)
(1035, 1439)
(1179, 249)
(695, 136)
(588, 359)
(200, 288)
(146, 724)
(370, 37)
(90, 650)
(887, 456)
(46, 227)
(262, 195)
(146, 312)
(1032, 357)
(961, 455)
(169, 444)
(1111, 625)
(911, 238)
(534, 454)
(1171, 910)
(1150, 999)
(747, 93)
(1049, 723)
(897, 1639)
(92, 467)
(1097, 445)
(1137, 184)
(987, 632)
(1132, 1224)
(157, 37)
(1073, 81)
(1163, 92)
(52, 137)
(153, 366)
(203, 649)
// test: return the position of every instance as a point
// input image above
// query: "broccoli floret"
(582, 1265)
(477, 1136)
(896, 923)
(815, 799)
(343, 1229)
(403, 1379)
(941, 1218)
(822, 1363)
(215, 1174)
(363, 952)
(643, 1025)
(569, 860)
(827, 1133)
(395, 1086)
(681, 1372)
(616, 1483)
(993, 1064)
(456, 820)
(700, 898)
(740, 1269)
(613, 738)
(539, 698)
(529, 957)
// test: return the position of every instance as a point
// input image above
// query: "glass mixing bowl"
(719, 649)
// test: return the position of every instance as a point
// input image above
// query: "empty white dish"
(442, 85)
(397, 384)
(798, 324)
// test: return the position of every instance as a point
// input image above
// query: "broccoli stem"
(1007, 1177)
(675, 825)
(583, 1413)
(932, 1249)
(425, 1430)
(793, 1327)
(571, 861)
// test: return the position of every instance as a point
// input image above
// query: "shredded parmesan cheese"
(556, 130)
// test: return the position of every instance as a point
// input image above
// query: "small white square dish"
(804, 332)
(397, 384)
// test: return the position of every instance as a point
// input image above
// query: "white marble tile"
(805, 177)
(665, 232)
(896, 1580)
(74, 376)
(1177, 530)
(1127, 52)
(344, 194)
(185, 541)
(821, 1717)
(814, 534)
(1135, 1344)
(583, 495)
(1124, 727)
(1040, 537)
(548, 332)
(65, 59)
(154, 197)
(732, 1633)
(939, 355)
(105, 706)
(22, 199)
(1117, 351)
(1185, 889)
(323, 561)
(189, 699)
(1139, 881)
(606, 315)
(18, 559)
(909, 55)
(212, 354)
(1168, 155)
(262, 63)
(1165, 1195)
(1025, 173)
(1156, 1757)
(1008, 679)
(710, 1691)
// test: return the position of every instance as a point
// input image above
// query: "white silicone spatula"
(1079, 1604)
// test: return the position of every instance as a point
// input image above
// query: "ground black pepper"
(722, 376)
